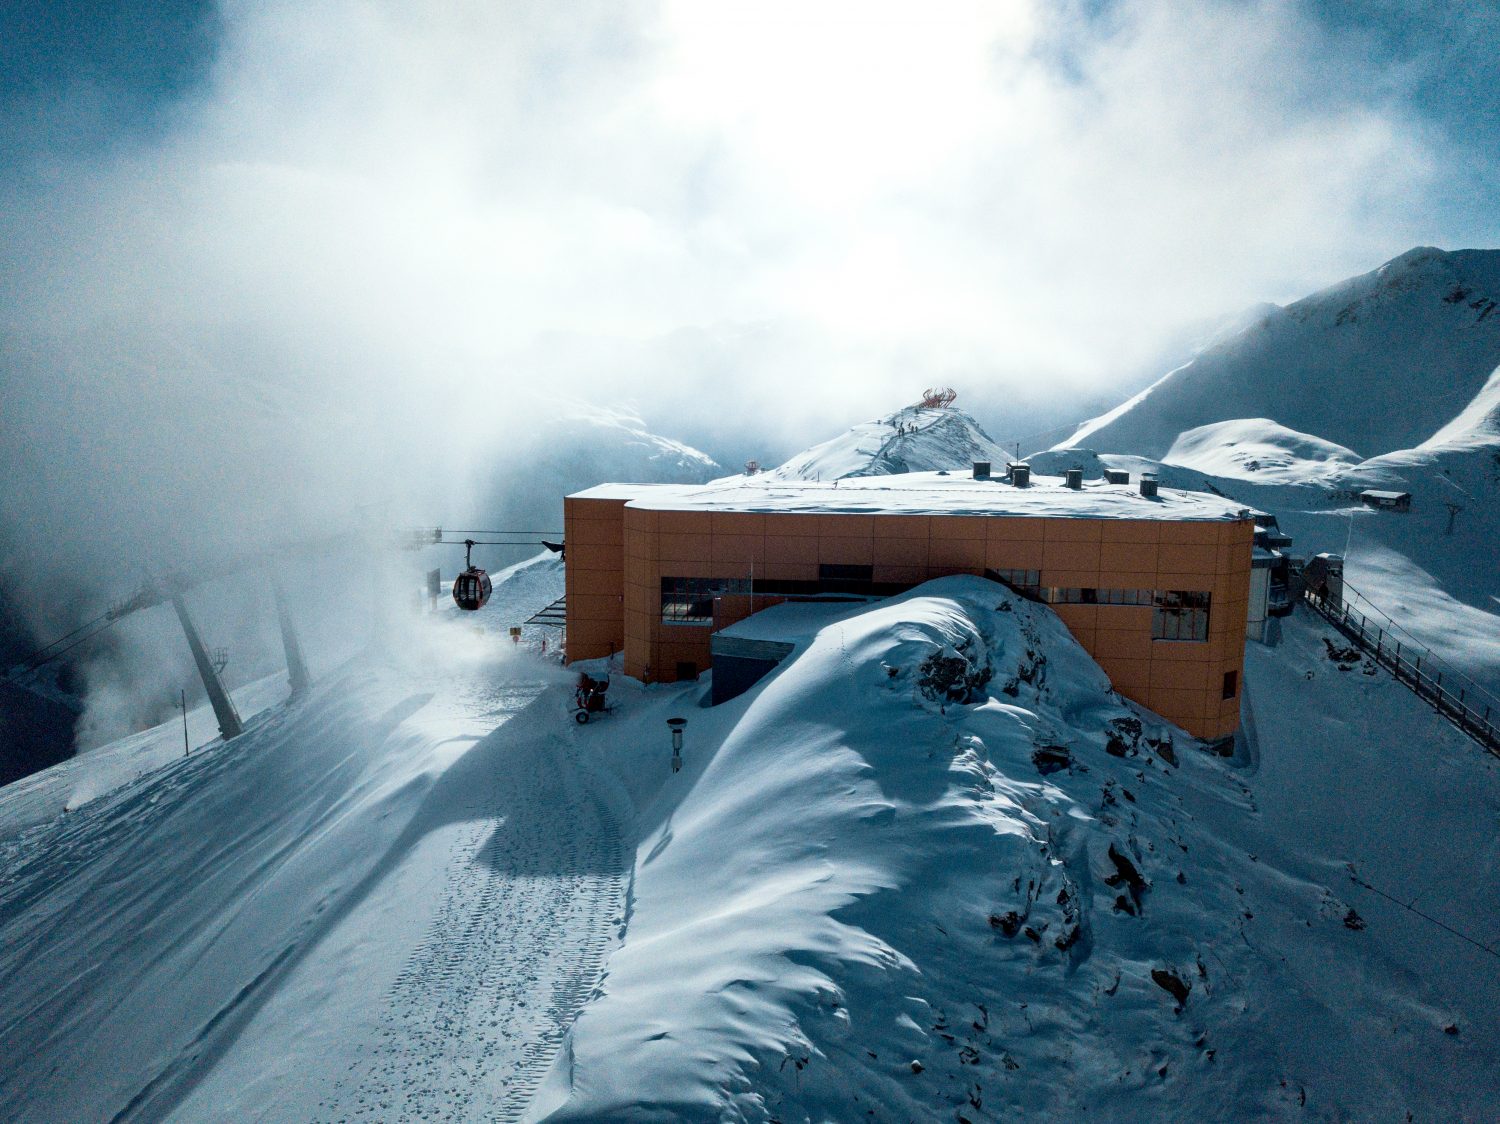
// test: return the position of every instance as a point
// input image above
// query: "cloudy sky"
(781, 215)
(1002, 190)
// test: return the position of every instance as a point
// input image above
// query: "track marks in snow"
(534, 903)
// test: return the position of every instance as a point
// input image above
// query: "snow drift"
(934, 869)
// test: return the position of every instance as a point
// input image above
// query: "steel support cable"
(487, 542)
(69, 635)
(39, 659)
(511, 531)
(1357, 880)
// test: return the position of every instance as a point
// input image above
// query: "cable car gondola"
(472, 588)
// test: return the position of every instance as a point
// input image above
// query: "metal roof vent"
(1020, 474)
(1074, 479)
(1148, 485)
(981, 470)
(1116, 476)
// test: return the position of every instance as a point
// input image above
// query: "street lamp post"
(676, 725)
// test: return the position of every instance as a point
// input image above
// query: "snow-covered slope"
(863, 899)
(910, 440)
(377, 883)
(1257, 448)
(622, 435)
(929, 868)
(1376, 363)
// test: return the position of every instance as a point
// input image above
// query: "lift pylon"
(229, 718)
(296, 666)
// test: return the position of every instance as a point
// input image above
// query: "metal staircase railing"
(1452, 694)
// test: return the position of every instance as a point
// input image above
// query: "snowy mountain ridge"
(1377, 363)
(914, 439)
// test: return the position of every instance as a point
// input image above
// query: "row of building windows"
(1178, 614)
(691, 600)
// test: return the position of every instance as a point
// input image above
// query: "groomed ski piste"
(931, 868)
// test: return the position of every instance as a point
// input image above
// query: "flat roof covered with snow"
(923, 493)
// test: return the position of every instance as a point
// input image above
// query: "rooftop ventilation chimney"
(1074, 479)
(1116, 476)
(1148, 485)
(1020, 474)
(981, 470)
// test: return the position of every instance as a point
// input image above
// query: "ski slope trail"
(531, 907)
(387, 902)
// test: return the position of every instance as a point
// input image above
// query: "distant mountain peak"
(1375, 363)
(914, 439)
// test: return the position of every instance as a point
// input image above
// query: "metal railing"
(1452, 694)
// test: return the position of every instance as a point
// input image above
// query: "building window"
(1070, 595)
(1180, 615)
(1127, 597)
(1231, 684)
(838, 578)
(691, 600)
(1027, 582)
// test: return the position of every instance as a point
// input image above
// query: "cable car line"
(488, 542)
(476, 582)
(511, 531)
(45, 654)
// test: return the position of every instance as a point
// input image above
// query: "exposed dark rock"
(1051, 759)
(1172, 983)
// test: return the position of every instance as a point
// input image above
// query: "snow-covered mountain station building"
(1155, 587)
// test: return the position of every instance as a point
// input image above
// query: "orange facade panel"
(786, 548)
(739, 550)
(738, 523)
(1133, 530)
(1073, 530)
(900, 527)
(617, 557)
(1006, 554)
(594, 556)
(958, 527)
(1015, 528)
(1070, 555)
(842, 550)
(1189, 533)
(793, 526)
(1174, 557)
(1116, 556)
(1131, 677)
(679, 547)
(899, 552)
(1078, 617)
(957, 555)
(845, 526)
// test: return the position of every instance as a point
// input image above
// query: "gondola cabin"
(472, 588)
